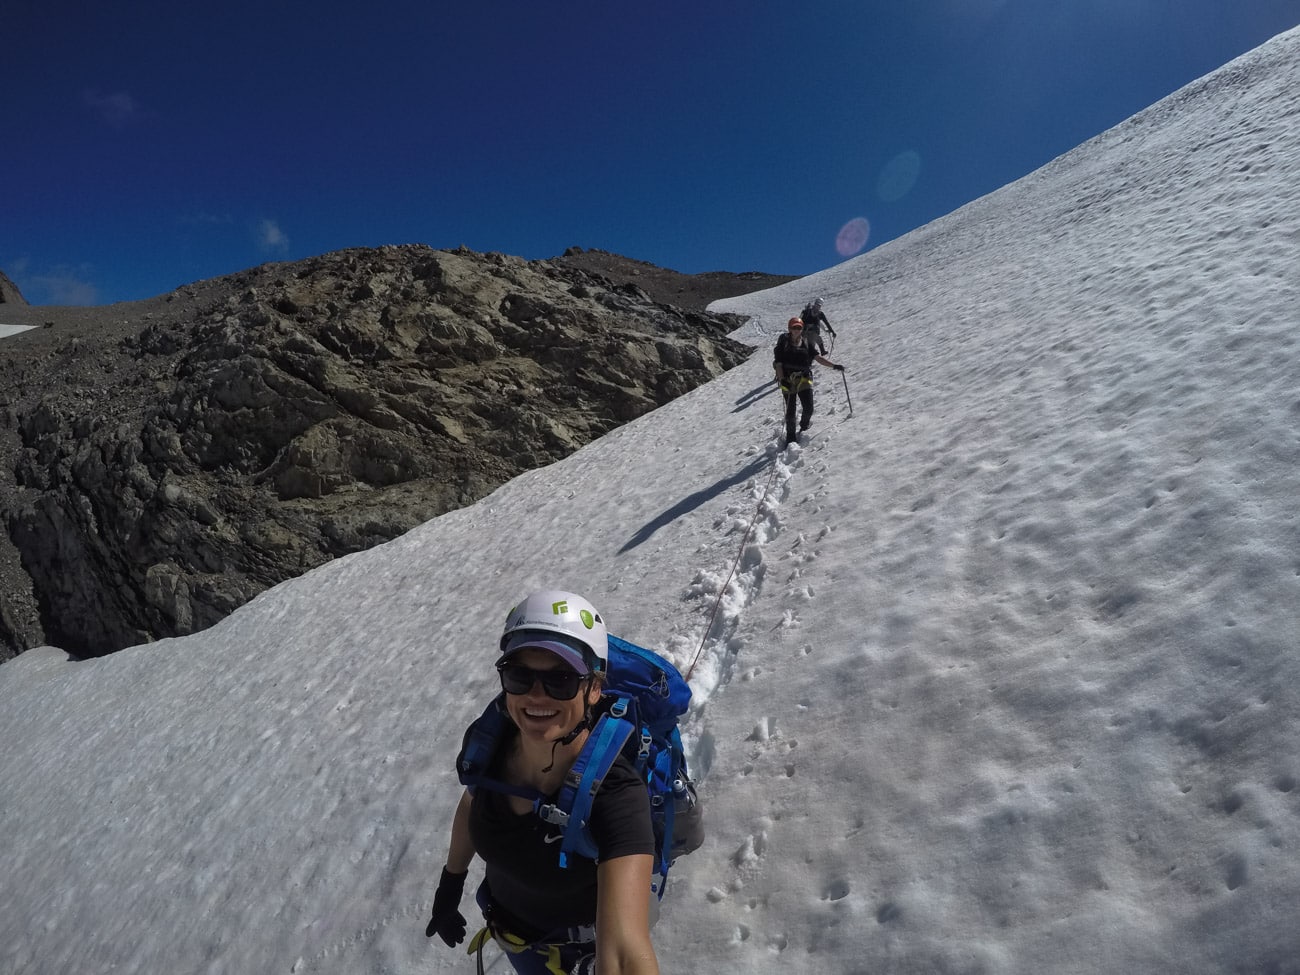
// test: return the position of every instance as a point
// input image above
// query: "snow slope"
(997, 674)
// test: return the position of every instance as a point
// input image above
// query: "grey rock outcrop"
(9, 293)
(171, 459)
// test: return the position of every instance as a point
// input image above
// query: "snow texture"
(997, 674)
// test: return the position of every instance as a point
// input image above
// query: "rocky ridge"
(9, 293)
(164, 461)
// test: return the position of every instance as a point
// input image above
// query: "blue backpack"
(649, 695)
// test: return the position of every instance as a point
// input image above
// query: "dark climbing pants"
(804, 398)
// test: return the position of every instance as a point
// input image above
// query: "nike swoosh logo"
(552, 839)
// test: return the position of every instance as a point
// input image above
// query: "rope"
(717, 603)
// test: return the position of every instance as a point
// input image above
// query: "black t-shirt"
(522, 852)
(794, 358)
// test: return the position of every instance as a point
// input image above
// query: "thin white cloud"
(116, 108)
(203, 218)
(62, 286)
(270, 237)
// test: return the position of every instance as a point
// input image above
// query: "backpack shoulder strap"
(572, 808)
(480, 744)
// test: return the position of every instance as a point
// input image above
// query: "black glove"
(447, 921)
(837, 367)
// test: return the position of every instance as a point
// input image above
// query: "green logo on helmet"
(586, 618)
(560, 608)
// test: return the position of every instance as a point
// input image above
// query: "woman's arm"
(446, 920)
(623, 917)
(460, 851)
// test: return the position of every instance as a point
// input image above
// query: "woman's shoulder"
(621, 778)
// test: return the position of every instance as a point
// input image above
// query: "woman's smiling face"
(540, 717)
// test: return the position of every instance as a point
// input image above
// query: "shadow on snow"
(693, 501)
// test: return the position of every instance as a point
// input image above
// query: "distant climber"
(813, 319)
(792, 360)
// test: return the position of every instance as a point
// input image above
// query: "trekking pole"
(846, 391)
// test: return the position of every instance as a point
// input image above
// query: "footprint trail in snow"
(766, 537)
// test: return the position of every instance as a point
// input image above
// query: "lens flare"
(899, 176)
(852, 237)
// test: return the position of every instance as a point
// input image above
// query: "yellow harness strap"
(513, 944)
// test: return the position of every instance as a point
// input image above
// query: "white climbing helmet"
(817, 302)
(564, 623)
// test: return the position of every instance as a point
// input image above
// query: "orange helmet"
(795, 323)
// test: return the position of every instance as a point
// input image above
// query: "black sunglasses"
(562, 684)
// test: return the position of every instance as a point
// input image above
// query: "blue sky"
(150, 145)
